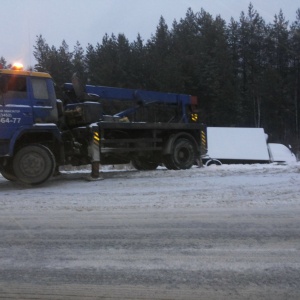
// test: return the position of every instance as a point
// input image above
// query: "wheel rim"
(184, 154)
(32, 164)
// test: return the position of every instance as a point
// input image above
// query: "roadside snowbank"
(214, 186)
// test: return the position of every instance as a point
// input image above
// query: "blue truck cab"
(28, 124)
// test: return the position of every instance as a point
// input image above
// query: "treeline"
(245, 72)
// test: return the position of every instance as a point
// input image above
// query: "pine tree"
(42, 53)
(214, 71)
(158, 50)
(123, 73)
(91, 62)
(295, 76)
(79, 63)
(64, 62)
(251, 52)
(3, 63)
(274, 83)
(138, 62)
(185, 54)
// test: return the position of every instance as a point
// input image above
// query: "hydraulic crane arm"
(141, 97)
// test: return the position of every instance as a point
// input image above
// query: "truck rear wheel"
(143, 163)
(34, 164)
(183, 155)
(168, 162)
(7, 171)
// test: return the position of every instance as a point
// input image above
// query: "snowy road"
(211, 233)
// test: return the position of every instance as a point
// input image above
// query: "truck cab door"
(43, 100)
(15, 104)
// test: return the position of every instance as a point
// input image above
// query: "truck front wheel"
(34, 164)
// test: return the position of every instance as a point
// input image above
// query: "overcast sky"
(87, 21)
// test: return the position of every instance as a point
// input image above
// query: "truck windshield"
(15, 87)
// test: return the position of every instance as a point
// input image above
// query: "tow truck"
(39, 133)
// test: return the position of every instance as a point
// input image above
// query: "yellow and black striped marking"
(96, 138)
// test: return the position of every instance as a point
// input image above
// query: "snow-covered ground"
(211, 186)
(217, 232)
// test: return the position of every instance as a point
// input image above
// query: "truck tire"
(183, 155)
(7, 171)
(168, 162)
(143, 163)
(34, 164)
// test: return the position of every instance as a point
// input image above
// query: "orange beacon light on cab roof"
(17, 67)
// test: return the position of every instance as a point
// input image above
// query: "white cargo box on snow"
(281, 153)
(241, 145)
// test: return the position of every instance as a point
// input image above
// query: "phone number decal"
(10, 120)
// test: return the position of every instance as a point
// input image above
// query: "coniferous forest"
(246, 72)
